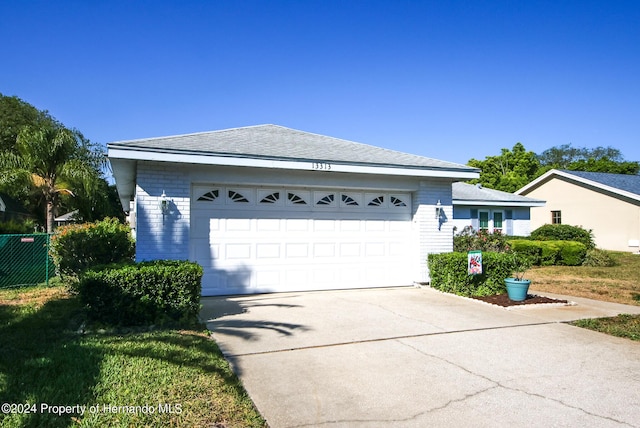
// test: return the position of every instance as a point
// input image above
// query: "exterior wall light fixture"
(438, 210)
(164, 203)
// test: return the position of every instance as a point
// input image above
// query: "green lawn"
(624, 325)
(152, 378)
(619, 284)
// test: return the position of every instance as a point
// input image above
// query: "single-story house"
(68, 218)
(267, 208)
(608, 204)
(492, 210)
(11, 209)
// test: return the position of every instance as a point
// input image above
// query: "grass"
(618, 284)
(623, 325)
(175, 377)
(179, 377)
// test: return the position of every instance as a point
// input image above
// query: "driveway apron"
(415, 357)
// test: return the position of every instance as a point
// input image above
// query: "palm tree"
(51, 161)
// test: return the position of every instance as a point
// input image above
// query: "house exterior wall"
(615, 222)
(520, 224)
(434, 235)
(167, 236)
(158, 235)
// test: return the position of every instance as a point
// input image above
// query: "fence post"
(46, 256)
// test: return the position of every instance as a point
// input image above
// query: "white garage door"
(254, 240)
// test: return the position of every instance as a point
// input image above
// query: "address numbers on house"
(319, 166)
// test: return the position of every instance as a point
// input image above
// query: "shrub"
(563, 232)
(157, 292)
(530, 249)
(77, 247)
(448, 273)
(598, 258)
(572, 253)
(17, 227)
(549, 253)
(469, 239)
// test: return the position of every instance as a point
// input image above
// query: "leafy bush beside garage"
(448, 272)
(159, 292)
(77, 247)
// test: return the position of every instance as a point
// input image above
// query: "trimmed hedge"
(550, 253)
(158, 292)
(77, 247)
(448, 272)
(564, 232)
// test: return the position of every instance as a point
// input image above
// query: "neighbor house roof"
(70, 216)
(476, 194)
(273, 146)
(622, 185)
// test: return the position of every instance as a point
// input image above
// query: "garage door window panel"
(238, 196)
(326, 200)
(210, 196)
(377, 201)
(269, 197)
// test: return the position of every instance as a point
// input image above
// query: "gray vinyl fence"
(25, 260)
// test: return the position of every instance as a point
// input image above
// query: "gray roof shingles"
(471, 192)
(625, 182)
(280, 143)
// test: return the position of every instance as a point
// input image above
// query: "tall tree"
(16, 114)
(599, 159)
(52, 161)
(509, 171)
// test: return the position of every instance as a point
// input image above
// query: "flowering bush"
(469, 239)
(77, 247)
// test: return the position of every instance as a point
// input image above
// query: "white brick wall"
(161, 236)
(434, 236)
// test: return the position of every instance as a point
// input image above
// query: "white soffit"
(120, 153)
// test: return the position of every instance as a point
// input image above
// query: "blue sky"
(452, 80)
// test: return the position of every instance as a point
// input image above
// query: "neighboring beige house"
(608, 204)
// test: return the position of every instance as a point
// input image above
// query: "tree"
(16, 114)
(52, 161)
(599, 159)
(509, 171)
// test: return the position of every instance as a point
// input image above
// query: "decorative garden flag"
(474, 265)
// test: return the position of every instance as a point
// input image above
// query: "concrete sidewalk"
(417, 357)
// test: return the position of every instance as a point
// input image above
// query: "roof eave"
(468, 202)
(125, 153)
(548, 176)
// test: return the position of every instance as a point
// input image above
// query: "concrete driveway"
(415, 357)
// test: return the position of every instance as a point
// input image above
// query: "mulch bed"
(504, 301)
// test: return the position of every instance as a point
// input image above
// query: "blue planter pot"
(517, 290)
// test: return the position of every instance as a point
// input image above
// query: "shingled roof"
(626, 182)
(622, 185)
(273, 142)
(475, 194)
